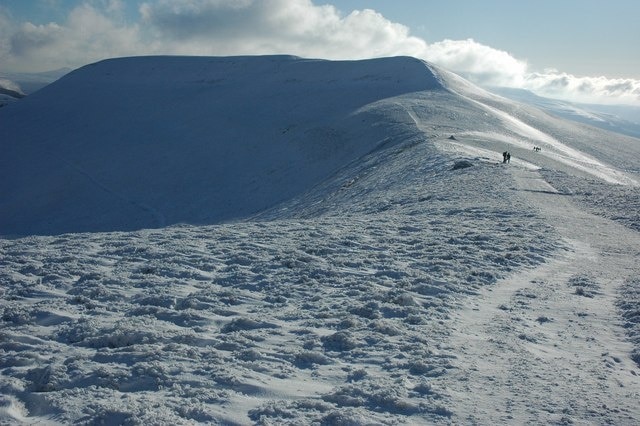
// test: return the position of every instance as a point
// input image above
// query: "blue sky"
(582, 37)
(582, 50)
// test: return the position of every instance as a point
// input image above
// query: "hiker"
(504, 157)
(508, 157)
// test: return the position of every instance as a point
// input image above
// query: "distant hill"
(9, 92)
(31, 82)
(624, 119)
(14, 86)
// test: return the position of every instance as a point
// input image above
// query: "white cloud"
(584, 89)
(115, 6)
(297, 27)
(86, 36)
(6, 30)
(483, 64)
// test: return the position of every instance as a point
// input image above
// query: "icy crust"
(334, 319)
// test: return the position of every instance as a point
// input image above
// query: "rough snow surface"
(409, 279)
(552, 327)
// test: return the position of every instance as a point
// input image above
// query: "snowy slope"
(357, 255)
(623, 119)
(149, 142)
(14, 86)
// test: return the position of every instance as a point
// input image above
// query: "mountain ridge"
(622, 119)
(153, 141)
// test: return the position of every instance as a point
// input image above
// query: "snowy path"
(545, 345)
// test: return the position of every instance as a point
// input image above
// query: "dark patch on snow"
(462, 164)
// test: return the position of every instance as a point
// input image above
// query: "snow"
(274, 240)
(158, 150)
(9, 92)
(623, 119)
(558, 333)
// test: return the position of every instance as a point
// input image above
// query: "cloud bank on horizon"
(98, 30)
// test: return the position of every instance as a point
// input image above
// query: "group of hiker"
(506, 156)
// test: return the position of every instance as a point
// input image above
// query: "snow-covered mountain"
(149, 142)
(276, 240)
(29, 83)
(146, 142)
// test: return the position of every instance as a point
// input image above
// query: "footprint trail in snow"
(546, 345)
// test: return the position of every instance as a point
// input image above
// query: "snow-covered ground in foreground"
(404, 277)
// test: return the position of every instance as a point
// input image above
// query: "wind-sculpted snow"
(629, 305)
(327, 320)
